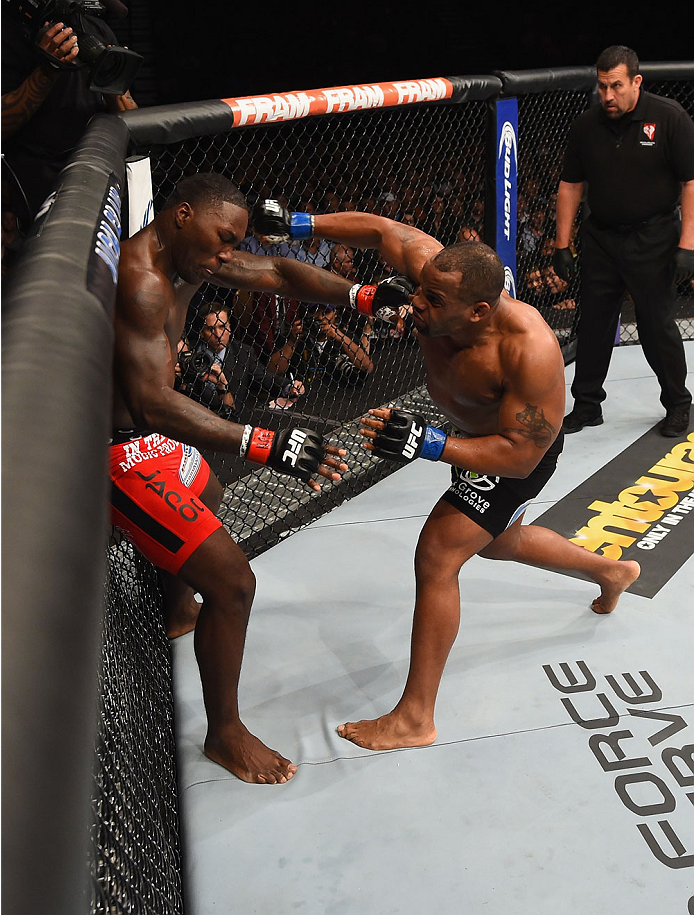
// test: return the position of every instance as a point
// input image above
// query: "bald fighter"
(164, 496)
(495, 370)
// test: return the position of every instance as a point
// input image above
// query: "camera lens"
(201, 363)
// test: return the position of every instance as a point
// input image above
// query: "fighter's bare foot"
(248, 758)
(614, 584)
(390, 732)
(182, 620)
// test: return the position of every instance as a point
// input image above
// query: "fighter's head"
(619, 80)
(459, 287)
(209, 217)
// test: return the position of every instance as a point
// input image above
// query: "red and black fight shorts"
(496, 502)
(156, 483)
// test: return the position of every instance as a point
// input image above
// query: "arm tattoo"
(19, 106)
(534, 426)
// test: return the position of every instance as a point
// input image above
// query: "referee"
(635, 151)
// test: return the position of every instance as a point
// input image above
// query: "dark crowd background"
(219, 48)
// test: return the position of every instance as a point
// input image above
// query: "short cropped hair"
(615, 56)
(207, 189)
(212, 308)
(480, 267)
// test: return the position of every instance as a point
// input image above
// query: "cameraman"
(199, 377)
(319, 345)
(45, 109)
(223, 373)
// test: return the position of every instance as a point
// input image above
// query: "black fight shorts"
(496, 502)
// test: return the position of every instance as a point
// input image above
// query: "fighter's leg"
(448, 539)
(219, 571)
(541, 547)
(180, 607)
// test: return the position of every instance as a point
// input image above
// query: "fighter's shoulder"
(416, 248)
(418, 240)
(142, 287)
(527, 339)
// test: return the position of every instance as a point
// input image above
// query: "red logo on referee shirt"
(649, 130)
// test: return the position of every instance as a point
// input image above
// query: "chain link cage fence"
(268, 361)
(136, 856)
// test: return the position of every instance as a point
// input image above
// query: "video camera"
(112, 69)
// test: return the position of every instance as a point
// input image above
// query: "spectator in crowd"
(309, 340)
(227, 376)
(534, 232)
(522, 212)
(265, 319)
(543, 289)
(556, 289)
(467, 233)
(388, 206)
(46, 108)
(343, 262)
(533, 287)
(323, 347)
(476, 217)
(635, 151)
(317, 251)
(439, 221)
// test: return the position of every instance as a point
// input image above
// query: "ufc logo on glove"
(295, 441)
(410, 449)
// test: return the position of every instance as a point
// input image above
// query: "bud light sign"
(507, 188)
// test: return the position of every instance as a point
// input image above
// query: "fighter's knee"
(503, 547)
(239, 584)
(425, 555)
(490, 552)
(230, 591)
(435, 563)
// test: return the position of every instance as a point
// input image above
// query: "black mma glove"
(296, 452)
(564, 264)
(684, 265)
(382, 301)
(274, 222)
(406, 436)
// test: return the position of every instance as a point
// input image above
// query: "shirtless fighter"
(164, 496)
(495, 370)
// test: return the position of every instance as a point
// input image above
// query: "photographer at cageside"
(112, 68)
(61, 64)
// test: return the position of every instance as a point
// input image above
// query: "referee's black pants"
(641, 261)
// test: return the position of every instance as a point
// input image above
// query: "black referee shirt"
(633, 165)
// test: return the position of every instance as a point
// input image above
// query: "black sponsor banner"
(638, 506)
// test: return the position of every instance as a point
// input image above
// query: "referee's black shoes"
(580, 417)
(676, 422)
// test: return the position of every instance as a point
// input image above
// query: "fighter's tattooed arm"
(534, 426)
